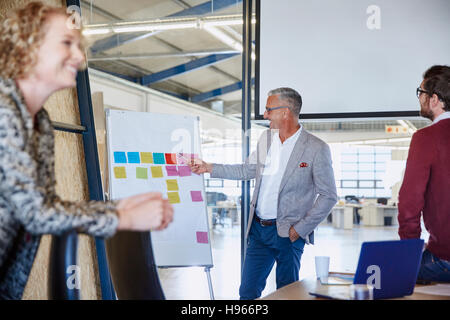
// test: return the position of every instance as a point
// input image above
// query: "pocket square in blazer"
(303, 165)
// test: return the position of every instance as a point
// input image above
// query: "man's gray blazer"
(307, 191)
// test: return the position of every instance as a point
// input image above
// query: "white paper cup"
(322, 266)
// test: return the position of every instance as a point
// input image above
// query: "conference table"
(299, 290)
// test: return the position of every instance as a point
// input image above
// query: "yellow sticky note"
(173, 197)
(120, 173)
(146, 157)
(172, 185)
(157, 172)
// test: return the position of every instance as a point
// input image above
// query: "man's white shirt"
(442, 116)
(274, 168)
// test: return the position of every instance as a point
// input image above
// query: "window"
(363, 171)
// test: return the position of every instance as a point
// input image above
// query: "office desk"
(342, 216)
(373, 215)
(231, 211)
(299, 291)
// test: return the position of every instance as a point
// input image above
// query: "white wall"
(118, 95)
(352, 55)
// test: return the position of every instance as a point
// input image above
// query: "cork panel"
(62, 106)
(37, 285)
(71, 184)
(71, 178)
(100, 132)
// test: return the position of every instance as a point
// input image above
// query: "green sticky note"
(146, 157)
(141, 173)
(120, 173)
(157, 172)
(172, 185)
(173, 197)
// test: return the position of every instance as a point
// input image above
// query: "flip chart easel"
(148, 152)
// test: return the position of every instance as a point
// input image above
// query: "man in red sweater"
(426, 185)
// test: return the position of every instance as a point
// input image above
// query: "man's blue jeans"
(265, 247)
(433, 269)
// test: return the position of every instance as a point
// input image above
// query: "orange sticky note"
(157, 172)
(120, 173)
(173, 197)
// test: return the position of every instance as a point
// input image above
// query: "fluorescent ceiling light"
(226, 39)
(375, 141)
(89, 32)
(408, 125)
(168, 24)
(400, 148)
(399, 139)
(96, 29)
(402, 123)
(152, 27)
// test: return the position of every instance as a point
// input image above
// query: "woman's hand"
(144, 212)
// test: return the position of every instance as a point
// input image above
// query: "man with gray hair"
(294, 191)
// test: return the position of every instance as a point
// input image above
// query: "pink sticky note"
(171, 171)
(182, 158)
(202, 237)
(184, 171)
(196, 196)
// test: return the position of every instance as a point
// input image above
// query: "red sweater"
(426, 188)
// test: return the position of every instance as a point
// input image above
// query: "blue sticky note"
(158, 158)
(119, 157)
(133, 157)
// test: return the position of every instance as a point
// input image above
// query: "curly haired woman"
(40, 54)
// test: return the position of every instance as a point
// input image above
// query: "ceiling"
(190, 81)
(192, 64)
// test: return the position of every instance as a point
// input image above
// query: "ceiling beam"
(132, 79)
(176, 54)
(121, 39)
(185, 67)
(205, 96)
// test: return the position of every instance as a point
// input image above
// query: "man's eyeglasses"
(275, 108)
(419, 91)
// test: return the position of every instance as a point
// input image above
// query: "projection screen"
(349, 58)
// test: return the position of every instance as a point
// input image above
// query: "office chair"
(63, 276)
(356, 215)
(351, 199)
(132, 266)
